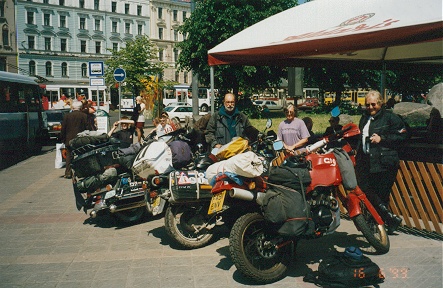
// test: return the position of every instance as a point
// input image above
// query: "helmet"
(204, 162)
(295, 162)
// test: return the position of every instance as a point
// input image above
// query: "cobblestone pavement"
(46, 242)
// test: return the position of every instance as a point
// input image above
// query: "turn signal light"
(108, 187)
(153, 194)
(251, 186)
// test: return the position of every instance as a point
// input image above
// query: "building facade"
(57, 38)
(8, 43)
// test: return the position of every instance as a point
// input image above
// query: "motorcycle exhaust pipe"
(246, 195)
(114, 208)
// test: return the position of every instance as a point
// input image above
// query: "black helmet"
(204, 162)
(295, 162)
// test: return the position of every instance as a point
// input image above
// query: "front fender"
(354, 208)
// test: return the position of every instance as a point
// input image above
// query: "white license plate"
(110, 194)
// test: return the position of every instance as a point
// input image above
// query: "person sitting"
(163, 128)
(126, 132)
(334, 126)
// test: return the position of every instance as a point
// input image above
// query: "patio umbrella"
(372, 32)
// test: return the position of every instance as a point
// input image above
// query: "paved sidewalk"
(46, 242)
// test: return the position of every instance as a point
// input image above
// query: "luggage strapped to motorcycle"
(92, 159)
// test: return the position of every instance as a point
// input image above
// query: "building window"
(48, 68)
(174, 15)
(175, 54)
(139, 10)
(96, 4)
(62, 21)
(63, 44)
(47, 19)
(82, 23)
(114, 6)
(47, 43)
(185, 77)
(128, 28)
(97, 25)
(177, 76)
(84, 70)
(184, 16)
(98, 47)
(5, 35)
(31, 68)
(30, 17)
(160, 13)
(114, 26)
(45, 1)
(81, 3)
(61, 2)
(140, 29)
(115, 47)
(160, 33)
(175, 35)
(83, 46)
(64, 69)
(31, 42)
(126, 8)
(2, 9)
(160, 54)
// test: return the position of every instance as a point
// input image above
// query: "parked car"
(179, 112)
(179, 104)
(270, 105)
(54, 118)
(308, 104)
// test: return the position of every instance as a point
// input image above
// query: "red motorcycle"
(262, 254)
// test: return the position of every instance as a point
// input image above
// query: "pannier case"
(188, 185)
(155, 157)
(90, 160)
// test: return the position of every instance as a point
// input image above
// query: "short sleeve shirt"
(292, 132)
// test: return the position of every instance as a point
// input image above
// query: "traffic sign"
(119, 75)
(96, 68)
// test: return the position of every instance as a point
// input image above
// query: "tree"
(139, 60)
(211, 23)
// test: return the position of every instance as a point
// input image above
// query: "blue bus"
(21, 114)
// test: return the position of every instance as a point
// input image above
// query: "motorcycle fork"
(354, 198)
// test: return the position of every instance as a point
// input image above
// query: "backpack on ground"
(346, 269)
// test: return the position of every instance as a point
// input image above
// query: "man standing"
(293, 131)
(226, 124)
(73, 123)
(377, 160)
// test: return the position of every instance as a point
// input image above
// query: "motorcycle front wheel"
(255, 251)
(375, 234)
(185, 224)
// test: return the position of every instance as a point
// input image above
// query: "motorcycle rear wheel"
(131, 215)
(253, 253)
(375, 234)
(181, 222)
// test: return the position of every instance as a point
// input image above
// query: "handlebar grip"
(316, 145)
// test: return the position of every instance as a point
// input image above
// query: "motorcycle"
(262, 254)
(196, 207)
(128, 191)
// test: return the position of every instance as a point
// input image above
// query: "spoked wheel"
(186, 225)
(375, 234)
(131, 215)
(255, 252)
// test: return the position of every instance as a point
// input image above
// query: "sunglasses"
(371, 104)
(289, 112)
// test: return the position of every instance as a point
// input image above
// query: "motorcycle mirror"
(335, 111)
(268, 123)
(277, 145)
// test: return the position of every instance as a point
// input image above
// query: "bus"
(57, 93)
(355, 96)
(21, 114)
(183, 93)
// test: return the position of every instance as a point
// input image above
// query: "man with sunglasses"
(292, 131)
(377, 159)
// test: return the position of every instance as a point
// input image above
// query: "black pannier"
(188, 185)
(91, 159)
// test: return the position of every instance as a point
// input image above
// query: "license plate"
(110, 194)
(216, 202)
(156, 202)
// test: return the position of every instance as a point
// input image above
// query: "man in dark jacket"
(377, 159)
(73, 123)
(226, 124)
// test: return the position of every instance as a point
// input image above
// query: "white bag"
(59, 161)
(246, 164)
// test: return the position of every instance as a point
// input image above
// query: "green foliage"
(139, 59)
(211, 23)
